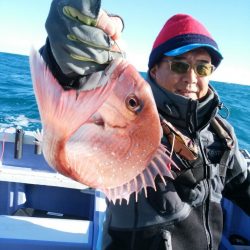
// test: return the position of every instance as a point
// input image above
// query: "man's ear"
(152, 71)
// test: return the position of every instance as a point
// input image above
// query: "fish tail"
(160, 165)
(57, 107)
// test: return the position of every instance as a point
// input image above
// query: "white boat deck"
(44, 229)
(29, 176)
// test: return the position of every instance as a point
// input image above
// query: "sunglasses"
(201, 69)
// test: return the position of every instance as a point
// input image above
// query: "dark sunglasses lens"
(204, 69)
(179, 67)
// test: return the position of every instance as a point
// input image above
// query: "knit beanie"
(180, 34)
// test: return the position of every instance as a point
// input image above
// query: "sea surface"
(19, 109)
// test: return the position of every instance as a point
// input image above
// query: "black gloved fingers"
(84, 63)
(81, 15)
(90, 36)
(111, 24)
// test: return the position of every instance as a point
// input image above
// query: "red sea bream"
(107, 138)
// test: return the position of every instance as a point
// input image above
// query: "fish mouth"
(110, 122)
(99, 122)
(107, 125)
(96, 119)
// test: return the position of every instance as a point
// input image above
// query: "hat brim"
(216, 56)
(189, 47)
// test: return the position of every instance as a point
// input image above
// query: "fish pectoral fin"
(160, 165)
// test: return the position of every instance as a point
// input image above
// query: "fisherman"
(185, 213)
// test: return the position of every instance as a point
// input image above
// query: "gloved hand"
(81, 39)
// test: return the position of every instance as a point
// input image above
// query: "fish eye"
(133, 103)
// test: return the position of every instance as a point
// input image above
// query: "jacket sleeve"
(237, 182)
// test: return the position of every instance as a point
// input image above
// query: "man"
(185, 213)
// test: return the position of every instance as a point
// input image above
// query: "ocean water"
(19, 109)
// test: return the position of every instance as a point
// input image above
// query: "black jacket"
(186, 213)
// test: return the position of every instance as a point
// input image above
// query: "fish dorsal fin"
(67, 110)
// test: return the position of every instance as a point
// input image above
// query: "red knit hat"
(180, 34)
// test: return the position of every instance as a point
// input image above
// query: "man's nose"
(190, 77)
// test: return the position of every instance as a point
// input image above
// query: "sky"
(22, 26)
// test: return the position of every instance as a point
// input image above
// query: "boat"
(42, 209)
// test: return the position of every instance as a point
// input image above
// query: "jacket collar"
(184, 113)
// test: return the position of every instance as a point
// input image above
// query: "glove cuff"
(66, 81)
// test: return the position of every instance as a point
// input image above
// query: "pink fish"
(107, 138)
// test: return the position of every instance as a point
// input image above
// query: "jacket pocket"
(162, 241)
(165, 200)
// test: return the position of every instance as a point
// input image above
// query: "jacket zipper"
(206, 198)
(194, 133)
(206, 215)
